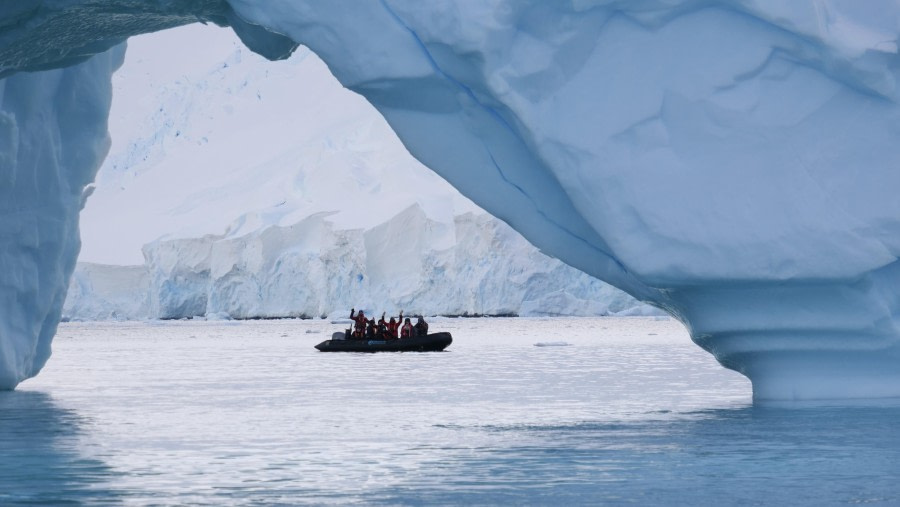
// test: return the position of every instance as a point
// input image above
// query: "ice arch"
(733, 162)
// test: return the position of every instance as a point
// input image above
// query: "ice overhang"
(39, 35)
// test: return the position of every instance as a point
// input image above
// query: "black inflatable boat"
(434, 342)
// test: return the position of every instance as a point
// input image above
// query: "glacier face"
(731, 162)
(107, 292)
(472, 264)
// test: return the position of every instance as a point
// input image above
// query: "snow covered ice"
(731, 162)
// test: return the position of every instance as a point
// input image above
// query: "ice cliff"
(108, 292)
(732, 162)
(471, 265)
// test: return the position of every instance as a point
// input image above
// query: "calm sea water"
(630, 412)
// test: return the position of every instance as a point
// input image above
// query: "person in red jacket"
(392, 327)
(360, 319)
(407, 331)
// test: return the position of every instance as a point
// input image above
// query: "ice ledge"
(807, 341)
(37, 35)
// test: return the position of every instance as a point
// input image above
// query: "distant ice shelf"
(472, 265)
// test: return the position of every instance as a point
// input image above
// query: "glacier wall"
(473, 264)
(732, 162)
(107, 292)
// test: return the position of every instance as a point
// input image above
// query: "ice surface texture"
(53, 137)
(731, 162)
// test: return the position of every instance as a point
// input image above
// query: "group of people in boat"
(393, 329)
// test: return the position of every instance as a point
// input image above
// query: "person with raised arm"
(360, 320)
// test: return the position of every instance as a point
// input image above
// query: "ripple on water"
(249, 412)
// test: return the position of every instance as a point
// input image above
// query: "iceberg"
(730, 162)
(53, 137)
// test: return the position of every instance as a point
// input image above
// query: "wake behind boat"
(434, 342)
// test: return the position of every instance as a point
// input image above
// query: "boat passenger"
(393, 326)
(382, 329)
(407, 331)
(360, 320)
(421, 327)
(370, 329)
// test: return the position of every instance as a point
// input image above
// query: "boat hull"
(434, 342)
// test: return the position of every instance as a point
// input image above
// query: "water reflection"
(41, 462)
(814, 455)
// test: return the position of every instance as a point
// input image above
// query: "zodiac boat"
(434, 342)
